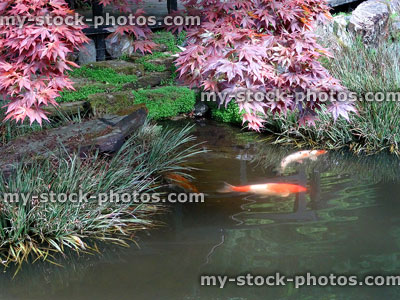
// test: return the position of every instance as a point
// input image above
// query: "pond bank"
(345, 224)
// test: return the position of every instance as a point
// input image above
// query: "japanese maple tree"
(33, 57)
(260, 46)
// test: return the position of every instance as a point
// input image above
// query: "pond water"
(348, 223)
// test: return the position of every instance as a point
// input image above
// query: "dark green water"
(348, 223)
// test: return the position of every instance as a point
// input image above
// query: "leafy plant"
(259, 46)
(10, 130)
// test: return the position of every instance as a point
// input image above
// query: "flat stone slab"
(68, 108)
(106, 134)
(149, 80)
(111, 103)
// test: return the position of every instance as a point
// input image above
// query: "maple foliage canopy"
(256, 45)
(260, 46)
(33, 55)
(33, 58)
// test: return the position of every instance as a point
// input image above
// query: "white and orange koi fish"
(300, 156)
(267, 189)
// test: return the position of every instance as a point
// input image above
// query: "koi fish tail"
(227, 188)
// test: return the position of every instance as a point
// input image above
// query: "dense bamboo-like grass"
(40, 229)
(376, 128)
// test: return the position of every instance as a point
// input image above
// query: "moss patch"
(111, 103)
(81, 94)
(103, 75)
(167, 101)
(105, 79)
(169, 40)
(230, 114)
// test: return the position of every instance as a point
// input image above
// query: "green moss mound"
(169, 40)
(229, 114)
(106, 79)
(103, 75)
(166, 102)
(80, 94)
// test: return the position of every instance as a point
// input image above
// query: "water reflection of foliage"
(296, 245)
(372, 168)
(66, 269)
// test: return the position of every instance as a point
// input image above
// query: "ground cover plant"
(166, 102)
(105, 79)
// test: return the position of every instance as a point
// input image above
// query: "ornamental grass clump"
(33, 229)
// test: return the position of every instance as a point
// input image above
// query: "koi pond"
(347, 223)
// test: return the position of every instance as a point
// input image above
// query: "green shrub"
(166, 102)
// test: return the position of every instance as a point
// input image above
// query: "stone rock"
(370, 21)
(79, 82)
(396, 28)
(335, 31)
(71, 108)
(105, 134)
(394, 6)
(111, 103)
(167, 61)
(87, 53)
(73, 56)
(120, 66)
(200, 110)
(117, 46)
(149, 80)
(160, 48)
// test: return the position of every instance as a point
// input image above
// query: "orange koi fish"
(268, 189)
(182, 182)
(300, 156)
